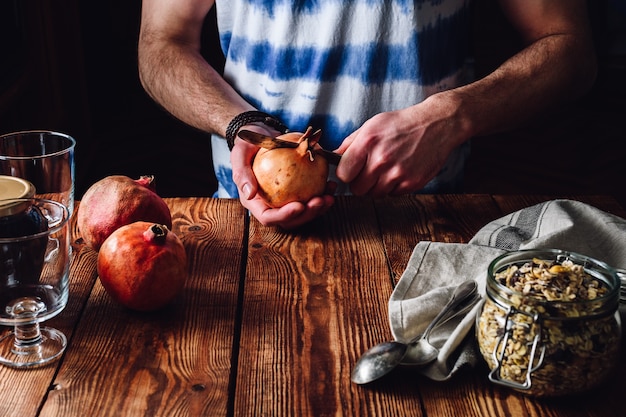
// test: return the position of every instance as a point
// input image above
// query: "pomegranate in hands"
(291, 174)
(115, 201)
(142, 266)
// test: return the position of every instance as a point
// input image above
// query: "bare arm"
(173, 71)
(557, 65)
(175, 75)
(399, 152)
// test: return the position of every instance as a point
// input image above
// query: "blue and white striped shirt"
(333, 64)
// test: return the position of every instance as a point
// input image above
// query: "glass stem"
(27, 338)
(28, 335)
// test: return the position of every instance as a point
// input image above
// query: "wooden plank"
(172, 362)
(314, 300)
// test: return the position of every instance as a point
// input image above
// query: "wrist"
(453, 107)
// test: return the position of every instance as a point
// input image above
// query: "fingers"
(290, 215)
(353, 160)
(373, 173)
(381, 179)
(375, 185)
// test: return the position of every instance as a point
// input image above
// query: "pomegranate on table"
(291, 174)
(118, 200)
(142, 265)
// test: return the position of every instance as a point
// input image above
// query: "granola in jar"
(550, 323)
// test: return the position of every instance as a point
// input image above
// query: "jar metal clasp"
(499, 351)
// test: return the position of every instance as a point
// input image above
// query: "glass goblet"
(34, 279)
(44, 158)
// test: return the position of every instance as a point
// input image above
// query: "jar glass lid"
(14, 187)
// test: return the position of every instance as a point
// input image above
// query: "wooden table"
(271, 323)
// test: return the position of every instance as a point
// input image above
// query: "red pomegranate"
(116, 201)
(142, 266)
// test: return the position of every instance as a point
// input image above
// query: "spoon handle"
(461, 293)
(459, 310)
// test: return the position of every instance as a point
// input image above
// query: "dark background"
(70, 65)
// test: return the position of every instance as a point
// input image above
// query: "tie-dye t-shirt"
(333, 64)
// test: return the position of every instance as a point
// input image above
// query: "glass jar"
(550, 324)
(20, 216)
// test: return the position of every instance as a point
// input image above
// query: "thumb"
(241, 159)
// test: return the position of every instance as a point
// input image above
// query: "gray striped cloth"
(435, 268)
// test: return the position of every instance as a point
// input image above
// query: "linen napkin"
(435, 269)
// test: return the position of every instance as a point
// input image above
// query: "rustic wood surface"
(271, 323)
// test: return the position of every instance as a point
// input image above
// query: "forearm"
(546, 74)
(179, 79)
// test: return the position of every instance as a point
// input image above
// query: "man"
(385, 80)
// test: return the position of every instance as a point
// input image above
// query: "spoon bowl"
(378, 361)
(420, 351)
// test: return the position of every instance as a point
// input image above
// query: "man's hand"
(290, 215)
(399, 152)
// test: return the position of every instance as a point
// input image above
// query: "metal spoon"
(420, 351)
(381, 359)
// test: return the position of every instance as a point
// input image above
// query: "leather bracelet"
(248, 117)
